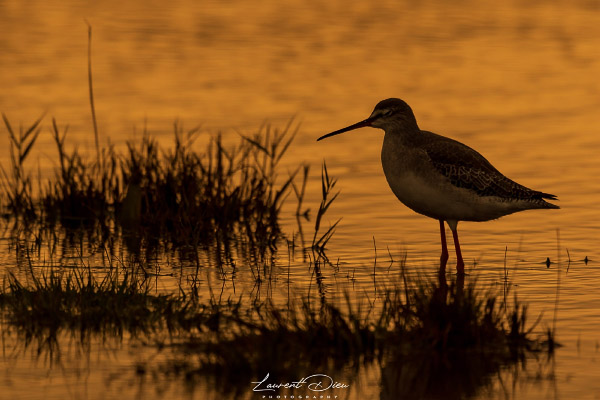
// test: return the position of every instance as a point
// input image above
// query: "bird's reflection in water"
(459, 348)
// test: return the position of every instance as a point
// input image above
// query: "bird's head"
(387, 114)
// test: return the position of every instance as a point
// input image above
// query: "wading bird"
(441, 178)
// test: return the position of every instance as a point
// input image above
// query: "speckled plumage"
(466, 168)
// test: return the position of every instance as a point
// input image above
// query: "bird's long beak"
(366, 122)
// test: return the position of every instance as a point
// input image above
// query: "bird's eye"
(387, 113)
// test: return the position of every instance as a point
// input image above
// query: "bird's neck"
(404, 132)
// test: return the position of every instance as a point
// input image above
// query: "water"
(515, 80)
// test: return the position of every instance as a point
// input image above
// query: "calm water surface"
(518, 81)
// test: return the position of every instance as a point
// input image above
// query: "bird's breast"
(419, 186)
(410, 177)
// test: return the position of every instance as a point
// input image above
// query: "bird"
(441, 178)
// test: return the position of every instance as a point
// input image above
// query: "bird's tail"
(549, 197)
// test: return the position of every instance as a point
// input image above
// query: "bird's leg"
(460, 264)
(444, 256)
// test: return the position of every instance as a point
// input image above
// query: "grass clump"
(219, 198)
(77, 302)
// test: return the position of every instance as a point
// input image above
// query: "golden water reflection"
(515, 80)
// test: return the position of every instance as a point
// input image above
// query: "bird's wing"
(466, 168)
